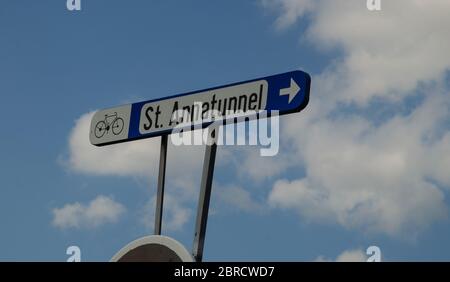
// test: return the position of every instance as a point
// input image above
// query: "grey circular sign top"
(154, 248)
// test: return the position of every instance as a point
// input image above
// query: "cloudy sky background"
(366, 163)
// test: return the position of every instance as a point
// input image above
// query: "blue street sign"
(285, 93)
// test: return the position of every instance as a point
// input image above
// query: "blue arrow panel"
(281, 103)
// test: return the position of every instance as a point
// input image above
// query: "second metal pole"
(205, 195)
(161, 181)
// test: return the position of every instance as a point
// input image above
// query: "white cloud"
(386, 53)
(356, 255)
(250, 165)
(291, 10)
(175, 214)
(377, 178)
(360, 172)
(138, 158)
(101, 210)
(238, 198)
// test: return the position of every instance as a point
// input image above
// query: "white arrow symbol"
(292, 90)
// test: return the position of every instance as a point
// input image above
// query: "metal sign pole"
(161, 181)
(205, 195)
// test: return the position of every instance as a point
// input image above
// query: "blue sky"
(364, 165)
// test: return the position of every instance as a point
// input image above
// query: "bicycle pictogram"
(111, 122)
